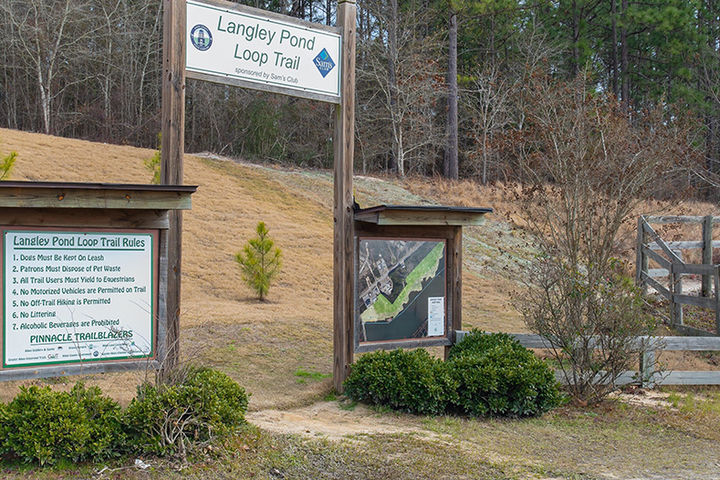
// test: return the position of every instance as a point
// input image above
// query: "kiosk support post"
(343, 199)
(173, 146)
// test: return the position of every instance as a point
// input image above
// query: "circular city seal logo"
(201, 37)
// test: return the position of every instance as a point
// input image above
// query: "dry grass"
(262, 345)
(265, 345)
(503, 198)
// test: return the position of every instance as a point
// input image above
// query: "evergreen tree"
(6, 165)
(153, 163)
(259, 261)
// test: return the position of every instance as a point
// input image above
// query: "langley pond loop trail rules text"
(77, 296)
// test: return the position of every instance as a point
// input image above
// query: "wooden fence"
(668, 257)
(648, 372)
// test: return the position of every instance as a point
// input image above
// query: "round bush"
(411, 381)
(46, 426)
(496, 376)
(485, 375)
(478, 342)
(201, 404)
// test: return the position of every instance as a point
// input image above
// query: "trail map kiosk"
(84, 271)
(408, 275)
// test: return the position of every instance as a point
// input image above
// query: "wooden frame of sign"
(175, 36)
(110, 260)
(432, 223)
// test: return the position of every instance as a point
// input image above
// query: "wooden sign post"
(344, 143)
(256, 69)
(173, 148)
(290, 56)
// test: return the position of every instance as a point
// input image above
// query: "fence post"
(707, 252)
(641, 260)
(647, 367)
(676, 313)
(717, 300)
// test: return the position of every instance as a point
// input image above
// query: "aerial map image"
(400, 289)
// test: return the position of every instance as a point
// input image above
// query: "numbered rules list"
(77, 296)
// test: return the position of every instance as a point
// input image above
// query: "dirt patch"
(330, 420)
(644, 398)
(627, 438)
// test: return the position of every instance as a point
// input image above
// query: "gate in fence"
(666, 260)
(668, 263)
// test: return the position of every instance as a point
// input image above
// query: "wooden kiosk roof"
(422, 215)
(15, 194)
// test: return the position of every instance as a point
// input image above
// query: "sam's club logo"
(324, 62)
(201, 37)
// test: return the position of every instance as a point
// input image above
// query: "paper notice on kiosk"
(436, 316)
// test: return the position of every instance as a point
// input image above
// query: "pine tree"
(153, 163)
(259, 261)
(6, 164)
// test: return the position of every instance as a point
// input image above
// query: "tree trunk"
(625, 93)
(392, 82)
(575, 68)
(614, 67)
(450, 163)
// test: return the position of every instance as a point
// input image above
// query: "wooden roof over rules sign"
(252, 48)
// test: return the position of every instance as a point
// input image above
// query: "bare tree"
(489, 99)
(400, 84)
(589, 167)
(450, 160)
(51, 36)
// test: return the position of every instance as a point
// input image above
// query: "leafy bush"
(495, 375)
(46, 426)
(412, 381)
(486, 374)
(199, 404)
(478, 342)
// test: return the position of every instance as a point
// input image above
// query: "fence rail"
(669, 258)
(647, 373)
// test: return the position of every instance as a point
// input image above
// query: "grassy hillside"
(281, 350)
(266, 346)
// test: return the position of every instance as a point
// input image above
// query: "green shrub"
(46, 426)
(485, 375)
(411, 381)
(478, 342)
(496, 376)
(6, 164)
(4, 418)
(198, 405)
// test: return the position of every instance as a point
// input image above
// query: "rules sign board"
(234, 44)
(77, 296)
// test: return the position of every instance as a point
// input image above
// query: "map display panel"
(400, 289)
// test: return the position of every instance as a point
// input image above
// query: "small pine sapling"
(259, 261)
(153, 163)
(6, 164)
